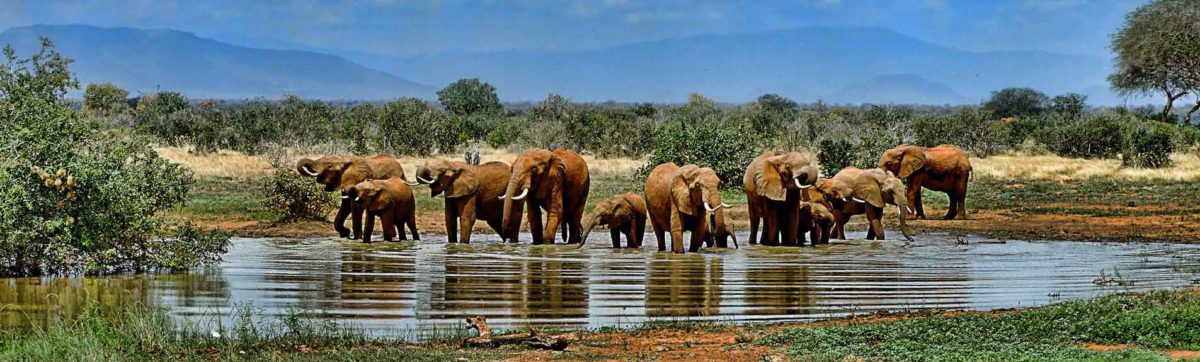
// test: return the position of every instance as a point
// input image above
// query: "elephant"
(686, 199)
(832, 194)
(623, 214)
(471, 192)
(773, 184)
(944, 168)
(342, 173)
(816, 219)
(556, 182)
(872, 190)
(392, 201)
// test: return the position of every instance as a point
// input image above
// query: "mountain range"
(846, 65)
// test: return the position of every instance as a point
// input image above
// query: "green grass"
(1154, 321)
(227, 199)
(987, 193)
(141, 333)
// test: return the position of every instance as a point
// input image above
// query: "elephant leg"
(339, 221)
(388, 219)
(575, 222)
(451, 222)
(875, 216)
(397, 227)
(676, 233)
(356, 219)
(366, 237)
(412, 226)
(952, 211)
(659, 232)
(771, 233)
(554, 216)
(790, 227)
(514, 224)
(466, 216)
(753, 227)
(535, 224)
(639, 231)
(615, 233)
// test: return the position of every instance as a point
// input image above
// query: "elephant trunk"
(305, 167)
(900, 207)
(807, 177)
(514, 183)
(589, 223)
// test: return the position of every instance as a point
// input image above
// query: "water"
(407, 286)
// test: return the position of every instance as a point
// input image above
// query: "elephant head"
(534, 171)
(879, 188)
(903, 160)
(834, 189)
(780, 173)
(456, 179)
(612, 211)
(335, 172)
(369, 195)
(694, 187)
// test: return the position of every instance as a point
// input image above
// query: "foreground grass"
(1148, 323)
(1148, 327)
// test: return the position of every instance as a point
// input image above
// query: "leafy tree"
(1158, 51)
(1016, 102)
(645, 110)
(77, 197)
(104, 98)
(1069, 105)
(467, 97)
(410, 126)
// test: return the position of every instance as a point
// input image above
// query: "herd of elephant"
(786, 195)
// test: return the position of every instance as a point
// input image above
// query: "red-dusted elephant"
(554, 181)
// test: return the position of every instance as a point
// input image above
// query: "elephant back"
(384, 166)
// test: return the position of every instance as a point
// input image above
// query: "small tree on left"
(77, 196)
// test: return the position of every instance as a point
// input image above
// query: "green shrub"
(75, 197)
(1096, 136)
(972, 130)
(834, 156)
(871, 146)
(1187, 138)
(507, 133)
(706, 143)
(295, 197)
(1147, 144)
(409, 126)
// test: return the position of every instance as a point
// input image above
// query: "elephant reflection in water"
(538, 286)
(779, 289)
(369, 281)
(687, 285)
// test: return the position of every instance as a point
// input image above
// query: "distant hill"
(898, 89)
(145, 60)
(805, 64)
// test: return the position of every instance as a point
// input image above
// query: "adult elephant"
(872, 190)
(624, 214)
(683, 199)
(341, 173)
(472, 192)
(555, 181)
(944, 168)
(773, 184)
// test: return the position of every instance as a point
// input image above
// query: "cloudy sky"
(422, 26)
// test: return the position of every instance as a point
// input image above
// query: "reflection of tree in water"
(43, 301)
(779, 289)
(683, 285)
(205, 287)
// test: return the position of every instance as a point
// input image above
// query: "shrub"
(507, 133)
(834, 156)
(704, 142)
(104, 98)
(295, 197)
(1016, 102)
(1097, 136)
(1147, 144)
(75, 197)
(409, 126)
(871, 146)
(969, 129)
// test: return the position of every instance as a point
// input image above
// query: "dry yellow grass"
(220, 164)
(1049, 167)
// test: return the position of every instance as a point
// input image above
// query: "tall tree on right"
(1158, 52)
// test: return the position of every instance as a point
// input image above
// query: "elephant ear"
(681, 193)
(621, 212)
(463, 181)
(768, 181)
(866, 189)
(913, 160)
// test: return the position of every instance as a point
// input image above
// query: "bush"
(871, 146)
(708, 142)
(834, 156)
(969, 129)
(75, 197)
(507, 133)
(1097, 136)
(409, 126)
(295, 197)
(1147, 144)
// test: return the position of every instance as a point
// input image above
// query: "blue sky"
(400, 27)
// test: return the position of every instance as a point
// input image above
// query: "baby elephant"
(623, 214)
(817, 220)
(392, 201)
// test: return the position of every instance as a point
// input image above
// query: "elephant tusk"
(357, 199)
(858, 200)
(308, 171)
(522, 195)
(709, 209)
(345, 197)
(727, 206)
(412, 183)
(910, 210)
(424, 181)
(797, 181)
